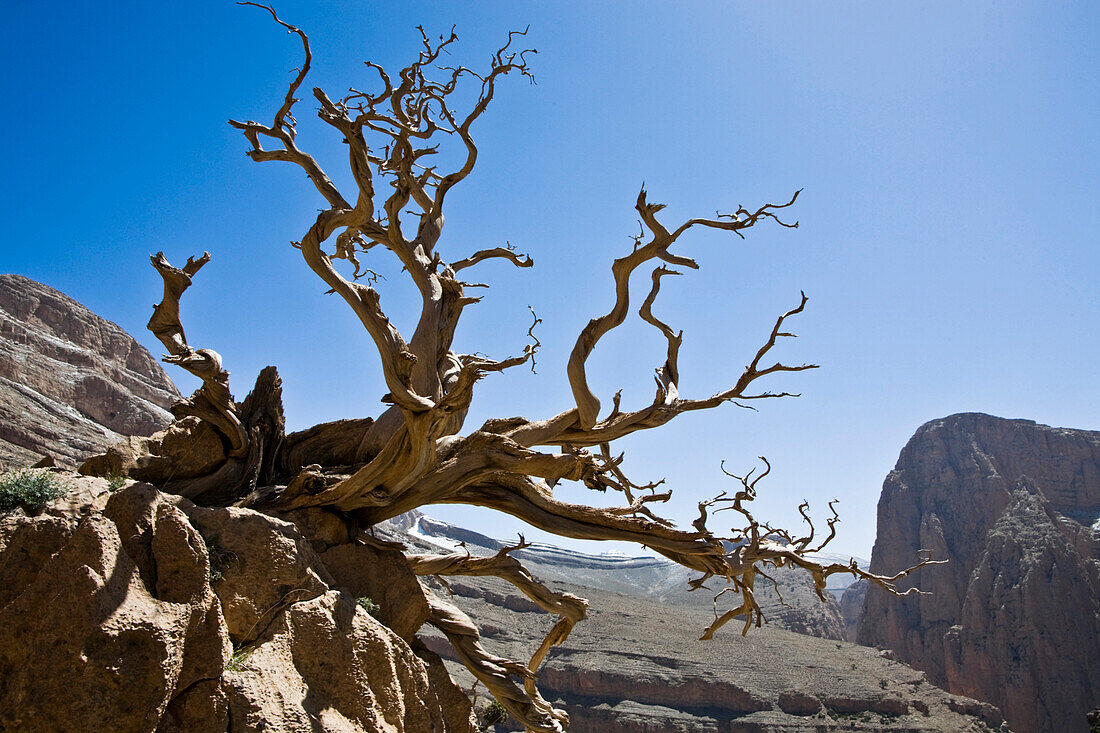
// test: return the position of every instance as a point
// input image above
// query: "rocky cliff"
(71, 383)
(1014, 618)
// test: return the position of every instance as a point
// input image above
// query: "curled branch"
(570, 608)
(508, 253)
(661, 239)
(496, 673)
(212, 401)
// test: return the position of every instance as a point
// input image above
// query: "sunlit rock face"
(1014, 618)
(71, 383)
(142, 611)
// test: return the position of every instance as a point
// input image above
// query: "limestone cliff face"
(1014, 618)
(71, 383)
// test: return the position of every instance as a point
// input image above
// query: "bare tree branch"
(588, 405)
(416, 453)
(496, 673)
(212, 401)
(570, 608)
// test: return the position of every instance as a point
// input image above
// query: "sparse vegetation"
(29, 488)
(238, 659)
(494, 714)
(367, 604)
(221, 559)
(116, 481)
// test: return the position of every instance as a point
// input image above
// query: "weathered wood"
(415, 452)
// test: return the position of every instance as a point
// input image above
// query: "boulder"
(135, 610)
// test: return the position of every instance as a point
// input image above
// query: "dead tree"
(418, 451)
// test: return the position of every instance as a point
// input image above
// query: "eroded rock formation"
(1014, 618)
(140, 611)
(71, 382)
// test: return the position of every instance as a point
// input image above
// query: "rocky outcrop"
(851, 608)
(140, 611)
(1014, 618)
(71, 383)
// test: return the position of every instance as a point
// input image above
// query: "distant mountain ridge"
(71, 382)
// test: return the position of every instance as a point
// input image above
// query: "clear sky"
(948, 240)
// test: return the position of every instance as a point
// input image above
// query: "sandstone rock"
(457, 708)
(1014, 618)
(323, 527)
(185, 449)
(88, 640)
(325, 664)
(384, 577)
(798, 703)
(201, 707)
(267, 566)
(110, 622)
(71, 383)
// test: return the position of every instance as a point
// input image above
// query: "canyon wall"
(71, 383)
(1014, 618)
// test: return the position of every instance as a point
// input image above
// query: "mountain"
(1014, 618)
(71, 383)
(635, 664)
(790, 604)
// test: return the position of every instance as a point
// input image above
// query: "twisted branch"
(212, 402)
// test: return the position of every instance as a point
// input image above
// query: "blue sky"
(948, 152)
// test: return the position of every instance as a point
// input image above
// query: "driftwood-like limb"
(570, 608)
(417, 451)
(509, 253)
(212, 401)
(496, 673)
(588, 405)
(759, 546)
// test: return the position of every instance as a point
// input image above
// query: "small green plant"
(236, 662)
(494, 714)
(29, 488)
(367, 604)
(116, 481)
(221, 559)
